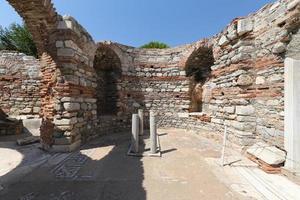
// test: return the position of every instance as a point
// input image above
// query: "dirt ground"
(101, 170)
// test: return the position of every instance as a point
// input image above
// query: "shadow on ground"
(91, 173)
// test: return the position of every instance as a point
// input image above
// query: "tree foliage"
(17, 38)
(155, 45)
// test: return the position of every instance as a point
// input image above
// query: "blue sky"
(136, 22)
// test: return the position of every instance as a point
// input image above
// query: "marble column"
(292, 113)
(153, 133)
(135, 133)
(141, 116)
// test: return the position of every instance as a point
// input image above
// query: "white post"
(141, 116)
(292, 113)
(153, 133)
(224, 145)
(135, 133)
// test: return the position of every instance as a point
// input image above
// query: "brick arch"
(40, 17)
(66, 53)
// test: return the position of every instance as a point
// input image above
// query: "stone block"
(66, 24)
(239, 57)
(59, 44)
(71, 44)
(243, 126)
(244, 26)
(36, 109)
(244, 80)
(182, 73)
(260, 80)
(217, 121)
(279, 47)
(65, 121)
(245, 110)
(276, 78)
(293, 4)
(229, 109)
(67, 52)
(65, 148)
(26, 111)
(63, 141)
(72, 79)
(72, 106)
(223, 41)
(232, 34)
(32, 126)
(245, 119)
(183, 115)
(267, 153)
(90, 100)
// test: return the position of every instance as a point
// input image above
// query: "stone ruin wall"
(74, 102)
(248, 75)
(151, 80)
(244, 89)
(20, 83)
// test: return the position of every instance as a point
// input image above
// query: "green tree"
(17, 38)
(155, 45)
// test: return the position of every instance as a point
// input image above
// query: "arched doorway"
(107, 65)
(198, 69)
(41, 20)
(66, 52)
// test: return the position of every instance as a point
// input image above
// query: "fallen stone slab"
(267, 153)
(28, 140)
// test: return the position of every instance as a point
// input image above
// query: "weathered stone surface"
(260, 80)
(293, 4)
(244, 26)
(67, 52)
(267, 153)
(230, 109)
(72, 106)
(223, 41)
(279, 48)
(244, 80)
(65, 121)
(245, 110)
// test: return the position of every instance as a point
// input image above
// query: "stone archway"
(107, 65)
(66, 53)
(42, 19)
(198, 69)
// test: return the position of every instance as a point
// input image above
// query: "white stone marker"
(141, 116)
(153, 133)
(292, 113)
(224, 146)
(135, 133)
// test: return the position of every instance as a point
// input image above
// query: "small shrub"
(155, 45)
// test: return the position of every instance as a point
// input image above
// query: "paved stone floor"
(102, 170)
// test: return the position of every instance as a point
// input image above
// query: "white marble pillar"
(292, 113)
(135, 133)
(141, 116)
(153, 133)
